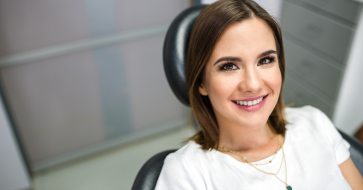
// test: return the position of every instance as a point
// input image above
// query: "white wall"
(13, 174)
(349, 108)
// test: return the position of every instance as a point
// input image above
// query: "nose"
(251, 81)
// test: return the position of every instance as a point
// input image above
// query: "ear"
(202, 90)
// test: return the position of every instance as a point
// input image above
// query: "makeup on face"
(242, 78)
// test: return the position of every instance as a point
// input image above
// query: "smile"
(249, 102)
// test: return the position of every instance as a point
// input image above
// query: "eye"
(228, 67)
(266, 60)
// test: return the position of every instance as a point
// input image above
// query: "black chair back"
(174, 51)
(149, 173)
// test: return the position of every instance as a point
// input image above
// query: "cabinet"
(317, 36)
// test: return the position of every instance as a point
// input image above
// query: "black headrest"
(174, 51)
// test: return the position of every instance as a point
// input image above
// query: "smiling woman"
(248, 139)
(246, 40)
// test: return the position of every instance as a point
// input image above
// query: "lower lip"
(253, 108)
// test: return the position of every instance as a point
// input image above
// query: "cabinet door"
(321, 33)
(323, 74)
(346, 9)
(297, 93)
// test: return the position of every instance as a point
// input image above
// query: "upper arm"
(351, 174)
(341, 150)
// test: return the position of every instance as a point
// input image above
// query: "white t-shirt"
(313, 150)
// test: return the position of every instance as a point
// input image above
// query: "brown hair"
(207, 29)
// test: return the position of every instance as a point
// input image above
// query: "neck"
(245, 138)
(253, 142)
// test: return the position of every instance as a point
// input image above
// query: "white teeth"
(249, 103)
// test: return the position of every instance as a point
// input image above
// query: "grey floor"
(111, 170)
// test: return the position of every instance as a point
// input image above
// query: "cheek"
(221, 87)
(275, 80)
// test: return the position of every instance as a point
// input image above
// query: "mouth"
(250, 102)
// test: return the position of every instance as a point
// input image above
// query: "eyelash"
(271, 59)
(229, 66)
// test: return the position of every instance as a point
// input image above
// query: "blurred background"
(85, 102)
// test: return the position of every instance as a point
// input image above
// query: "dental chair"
(174, 51)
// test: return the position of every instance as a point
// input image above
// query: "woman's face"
(242, 77)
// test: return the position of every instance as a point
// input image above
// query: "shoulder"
(190, 158)
(305, 112)
(308, 122)
(182, 169)
(310, 125)
(190, 154)
(305, 116)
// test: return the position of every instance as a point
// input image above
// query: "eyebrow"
(227, 59)
(234, 59)
(268, 52)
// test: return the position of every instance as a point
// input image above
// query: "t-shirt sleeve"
(339, 145)
(178, 174)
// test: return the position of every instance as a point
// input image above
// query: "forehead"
(247, 37)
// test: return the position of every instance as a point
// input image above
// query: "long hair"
(207, 29)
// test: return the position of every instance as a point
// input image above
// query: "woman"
(248, 140)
